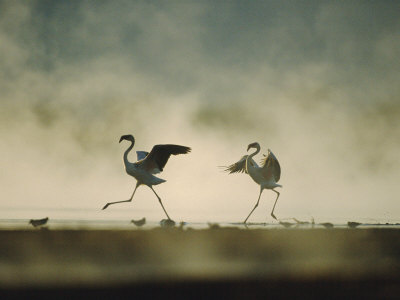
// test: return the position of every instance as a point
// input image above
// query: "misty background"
(317, 82)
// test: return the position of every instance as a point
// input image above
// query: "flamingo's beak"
(121, 139)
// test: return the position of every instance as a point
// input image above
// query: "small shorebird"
(140, 222)
(265, 176)
(353, 224)
(147, 165)
(38, 222)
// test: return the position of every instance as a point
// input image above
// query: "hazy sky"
(317, 82)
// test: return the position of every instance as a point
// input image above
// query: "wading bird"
(265, 176)
(147, 165)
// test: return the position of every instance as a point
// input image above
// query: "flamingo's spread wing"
(141, 154)
(270, 167)
(238, 167)
(156, 160)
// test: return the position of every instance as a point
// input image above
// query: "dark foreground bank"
(222, 263)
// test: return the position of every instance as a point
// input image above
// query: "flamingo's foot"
(167, 223)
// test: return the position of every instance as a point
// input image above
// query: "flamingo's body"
(265, 176)
(148, 164)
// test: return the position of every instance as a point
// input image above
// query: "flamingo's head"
(253, 145)
(127, 137)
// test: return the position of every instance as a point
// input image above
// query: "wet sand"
(228, 263)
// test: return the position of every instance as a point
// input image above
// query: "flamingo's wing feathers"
(238, 167)
(270, 166)
(156, 160)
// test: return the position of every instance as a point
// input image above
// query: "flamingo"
(147, 165)
(265, 176)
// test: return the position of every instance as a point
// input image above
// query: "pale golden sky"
(314, 81)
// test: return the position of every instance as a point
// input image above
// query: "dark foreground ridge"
(199, 264)
(221, 289)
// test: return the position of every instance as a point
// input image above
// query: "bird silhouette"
(147, 165)
(140, 222)
(327, 225)
(265, 176)
(353, 224)
(38, 222)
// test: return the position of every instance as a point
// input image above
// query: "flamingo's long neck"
(251, 156)
(126, 161)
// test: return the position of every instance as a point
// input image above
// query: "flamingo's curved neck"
(255, 153)
(126, 161)
(252, 155)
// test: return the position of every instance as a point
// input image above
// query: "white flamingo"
(147, 165)
(265, 176)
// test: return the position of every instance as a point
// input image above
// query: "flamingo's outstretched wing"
(238, 167)
(156, 160)
(270, 167)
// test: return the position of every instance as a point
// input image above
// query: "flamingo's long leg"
(259, 196)
(129, 200)
(159, 200)
(272, 212)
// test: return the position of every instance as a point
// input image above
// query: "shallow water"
(120, 219)
(126, 224)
